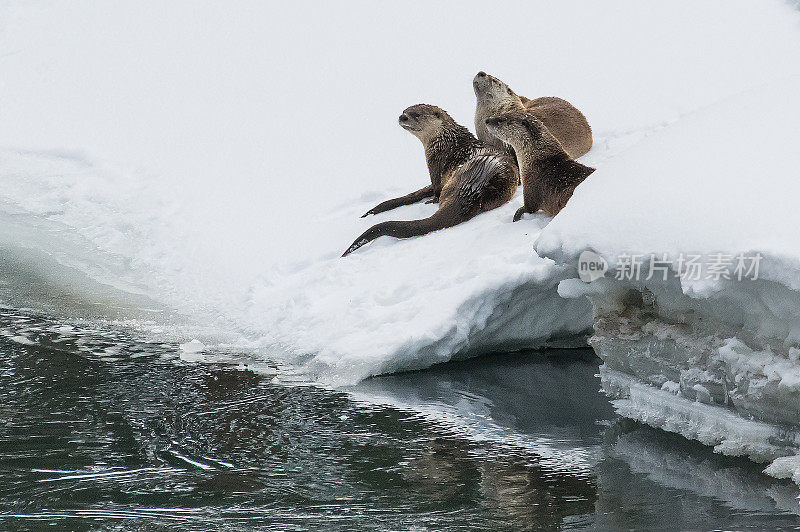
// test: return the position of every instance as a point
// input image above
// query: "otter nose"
(404, 117)
(481, 74)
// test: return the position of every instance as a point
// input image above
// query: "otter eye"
(414, 115)
(437, 115)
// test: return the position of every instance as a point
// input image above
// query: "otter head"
(493, 94)
(494, 97)
(424, 121)
(529, 137)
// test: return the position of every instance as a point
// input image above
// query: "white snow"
(402, 305)
(720, 180)
(217, 160)
(191, 350)
(192, 346)
(785, 467)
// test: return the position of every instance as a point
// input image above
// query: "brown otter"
(445, 149)
(469, 177)
(565, 122)
(549, 175)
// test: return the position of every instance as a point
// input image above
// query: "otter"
(470, 178)
(565, 122)
(447, 147)
(549, 174)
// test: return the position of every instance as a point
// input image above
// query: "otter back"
(564, 121)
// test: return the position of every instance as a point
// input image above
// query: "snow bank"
(184, 159)
(399, 305)
(711, 358)
(392, 306)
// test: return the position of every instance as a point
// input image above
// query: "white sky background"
(263, 113)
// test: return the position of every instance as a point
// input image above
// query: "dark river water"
(101, 431)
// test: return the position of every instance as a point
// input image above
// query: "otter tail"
(447, 216)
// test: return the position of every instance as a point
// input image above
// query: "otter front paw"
(518, 214)
(371, 211)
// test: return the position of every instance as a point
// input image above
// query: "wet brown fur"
(443, 153)
(549, 175)
(468, 178)
(565, 122)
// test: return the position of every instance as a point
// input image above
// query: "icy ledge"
(712, 358)
(722, 370)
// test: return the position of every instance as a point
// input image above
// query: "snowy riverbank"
(187, 166)
(691, 351)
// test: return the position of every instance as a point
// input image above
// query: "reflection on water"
(98, 429)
